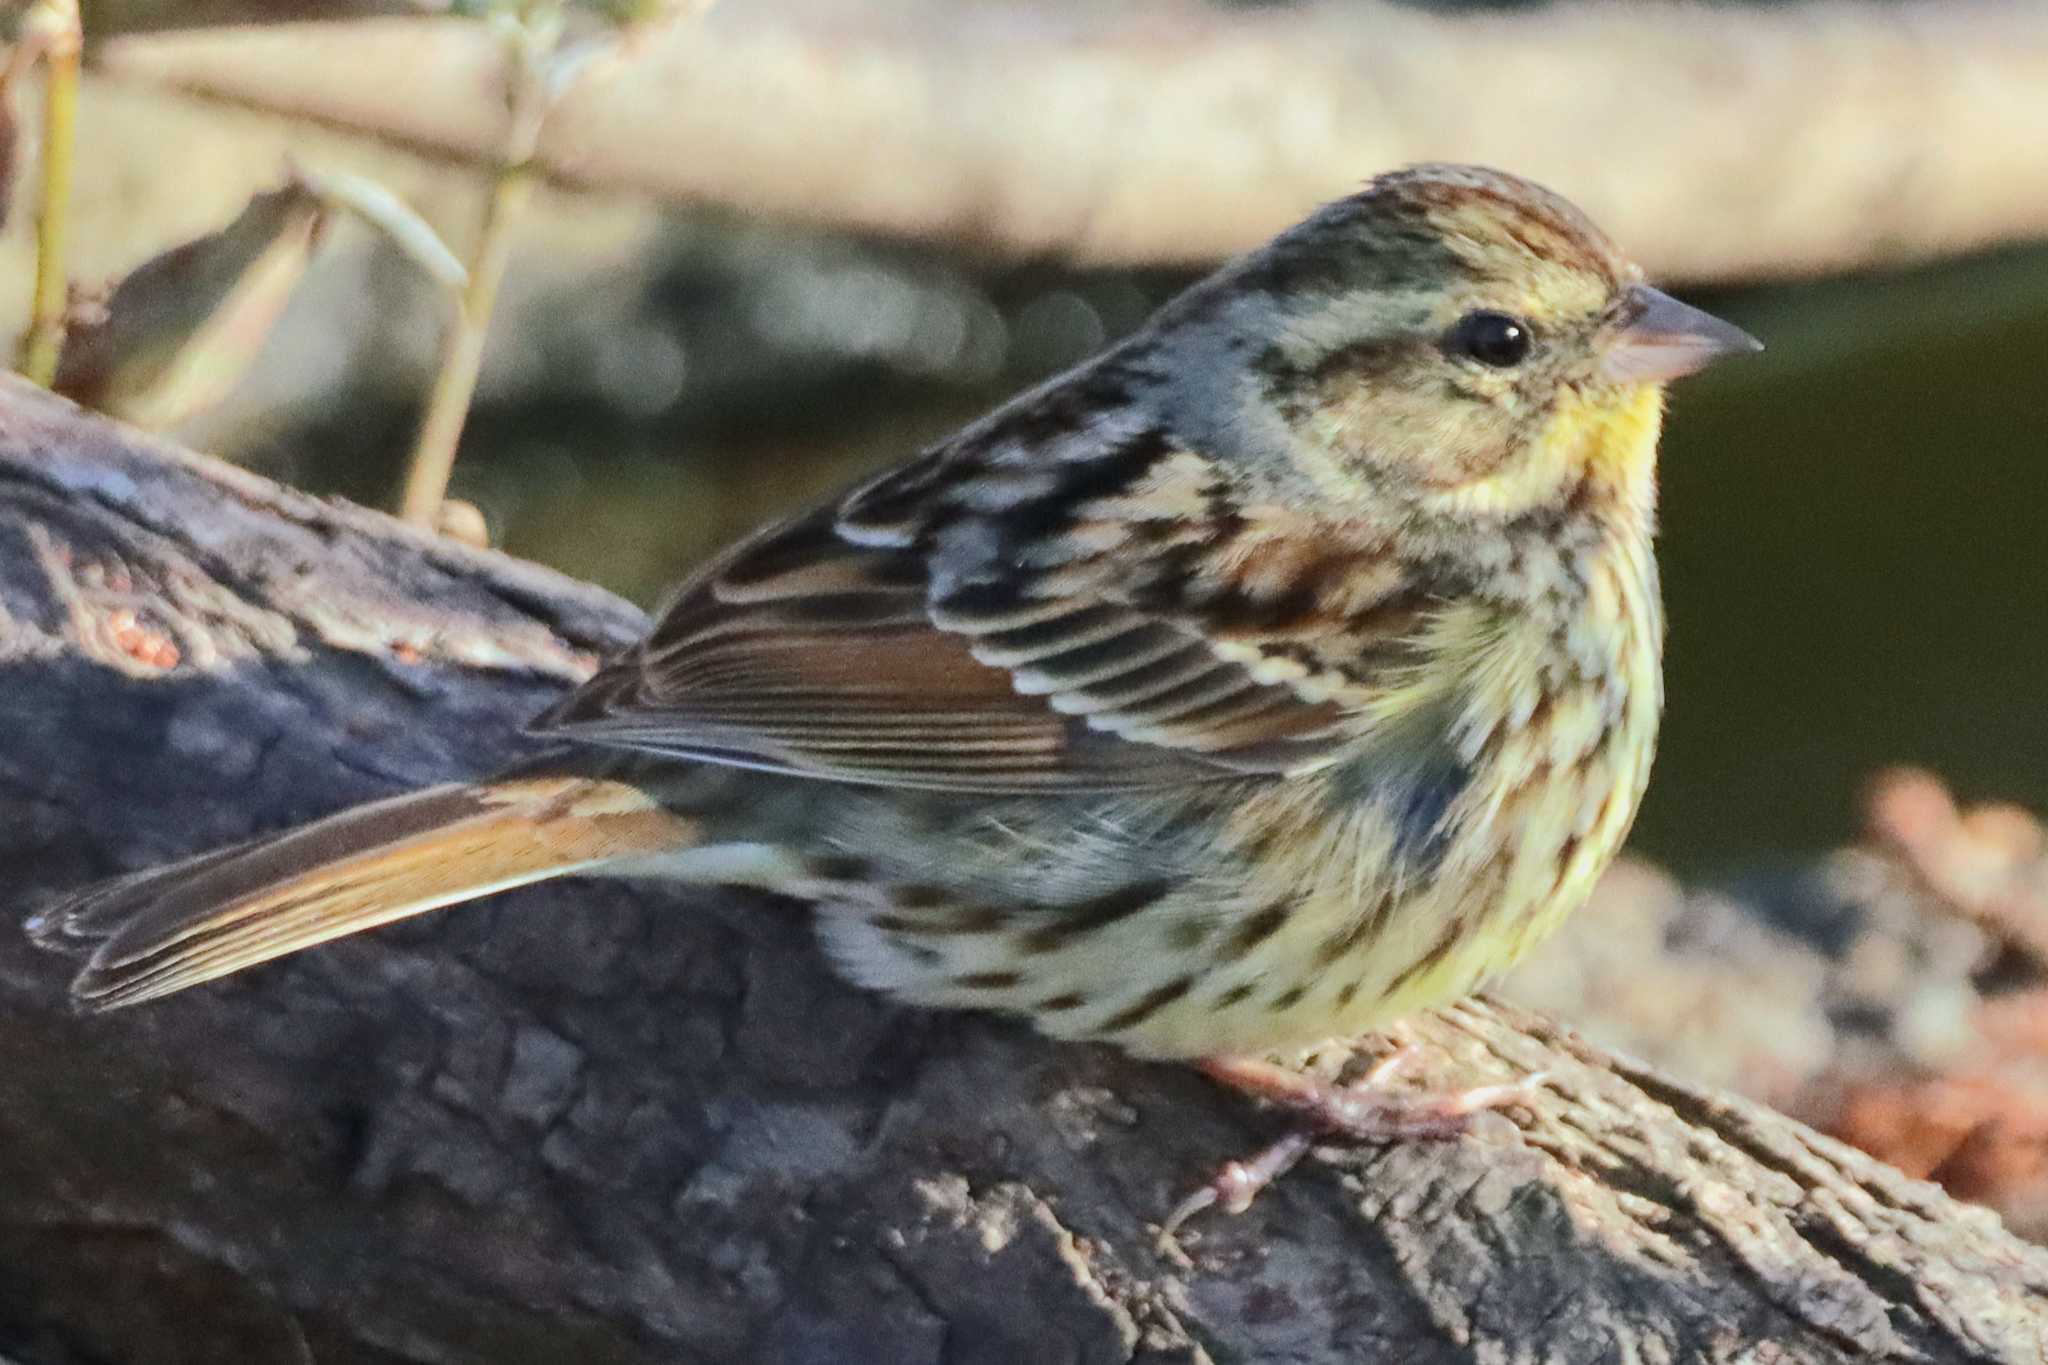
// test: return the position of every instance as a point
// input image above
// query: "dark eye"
(1490, 338)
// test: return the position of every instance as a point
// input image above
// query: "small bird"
(1290, 666)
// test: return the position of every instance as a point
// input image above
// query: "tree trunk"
(598, 1124)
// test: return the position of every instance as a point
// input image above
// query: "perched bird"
(1290, 666)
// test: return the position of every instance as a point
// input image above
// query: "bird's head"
(1451, 342)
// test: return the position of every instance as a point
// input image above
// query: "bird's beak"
(1662, 339)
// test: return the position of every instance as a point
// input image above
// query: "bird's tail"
(163, 930)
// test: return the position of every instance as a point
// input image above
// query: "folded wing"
(1015, 613)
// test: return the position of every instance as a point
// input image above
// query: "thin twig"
(55, 26)
(401, 225)
(531, 44)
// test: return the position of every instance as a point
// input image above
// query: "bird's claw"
(1239, 1182)
(1358, 1111)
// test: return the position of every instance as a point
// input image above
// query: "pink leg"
(1359, 1111)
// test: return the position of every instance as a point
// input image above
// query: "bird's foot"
(1360, 1112)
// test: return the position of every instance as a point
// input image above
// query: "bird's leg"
(1360, 1111)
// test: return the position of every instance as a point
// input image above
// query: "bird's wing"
(1013, 614)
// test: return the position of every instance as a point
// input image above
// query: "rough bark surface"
(589, 1123)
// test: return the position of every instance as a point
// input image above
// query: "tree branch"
(1716, 143)
(598, 1124)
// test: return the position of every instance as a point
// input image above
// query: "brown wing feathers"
(987, 640)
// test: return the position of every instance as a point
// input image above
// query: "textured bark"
(1716, 143)
(601, 1124)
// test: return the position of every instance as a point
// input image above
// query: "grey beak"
(1662, 339)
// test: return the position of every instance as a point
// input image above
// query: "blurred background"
(776, 244)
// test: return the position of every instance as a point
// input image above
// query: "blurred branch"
(51, 32)
(1718, 143)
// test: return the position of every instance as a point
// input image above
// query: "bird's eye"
(1490, 338)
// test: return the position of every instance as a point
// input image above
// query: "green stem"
(462, 350)
(531, 42)
(45, 337)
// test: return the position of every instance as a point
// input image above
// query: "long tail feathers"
(163, 930)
